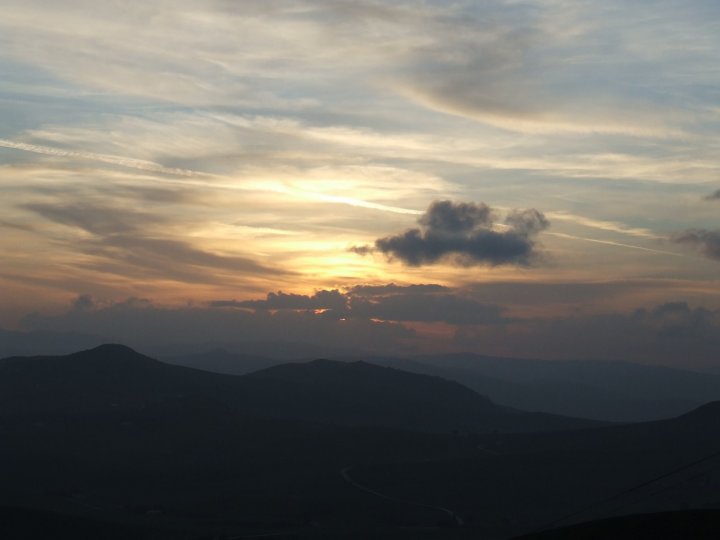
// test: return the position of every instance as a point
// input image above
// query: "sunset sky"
(525, 178)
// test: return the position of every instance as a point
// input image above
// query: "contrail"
(612, 226)
(619, 244)
(105, 158)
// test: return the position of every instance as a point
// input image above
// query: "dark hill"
(110, 435)
(114, 377)
(108, 377)
(360, 393)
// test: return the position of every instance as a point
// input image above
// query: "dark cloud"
(411, 303)
(361, 250)
(678, 320)
(447, 217)
(714, 196)
(467, 234)
(82, 302)
(707, 242)
(141, 324)
(676, 333)
(392, 288)
(447, 308)
(670, 333)
(94, 219)
(320, 300)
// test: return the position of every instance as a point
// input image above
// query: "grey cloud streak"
(706, 241)
(466, 234)
(126, 242)
(412, 303)
(320, 300)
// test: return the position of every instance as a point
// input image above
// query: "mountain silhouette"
(114, 377)
(110, 436)
(594, 389)
(607, 390)
(360, 393)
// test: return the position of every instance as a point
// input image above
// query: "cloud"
(409, 303)
(131, 163)
(142, 324)
(545, 68)
(130, 243)
(706, 241)
(320, 300)
(609, 226)
(467, 234)
(668, 333)
(447, 308)
(392, 288)
(83, 302)
(671, 332)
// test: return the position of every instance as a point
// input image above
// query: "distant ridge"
(602, 390)
(360, 392)
(115, 377)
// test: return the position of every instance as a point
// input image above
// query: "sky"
(531, 178)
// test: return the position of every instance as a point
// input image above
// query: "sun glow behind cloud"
(189, 152)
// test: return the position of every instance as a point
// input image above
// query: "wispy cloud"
(104, 158)
(220, 182)
(613, 243)
(610, 226)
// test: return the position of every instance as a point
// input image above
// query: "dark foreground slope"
(29, 524)
(527, 482)
(684, 525)
(112, 437)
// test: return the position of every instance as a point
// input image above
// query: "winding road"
(345, 473)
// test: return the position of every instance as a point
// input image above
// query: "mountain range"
(601, 390)
(112, 440)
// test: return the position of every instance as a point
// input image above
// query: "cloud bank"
(397, 320)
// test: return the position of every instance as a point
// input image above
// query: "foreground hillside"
(526, 482)
(685, 525)
(109, 439)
